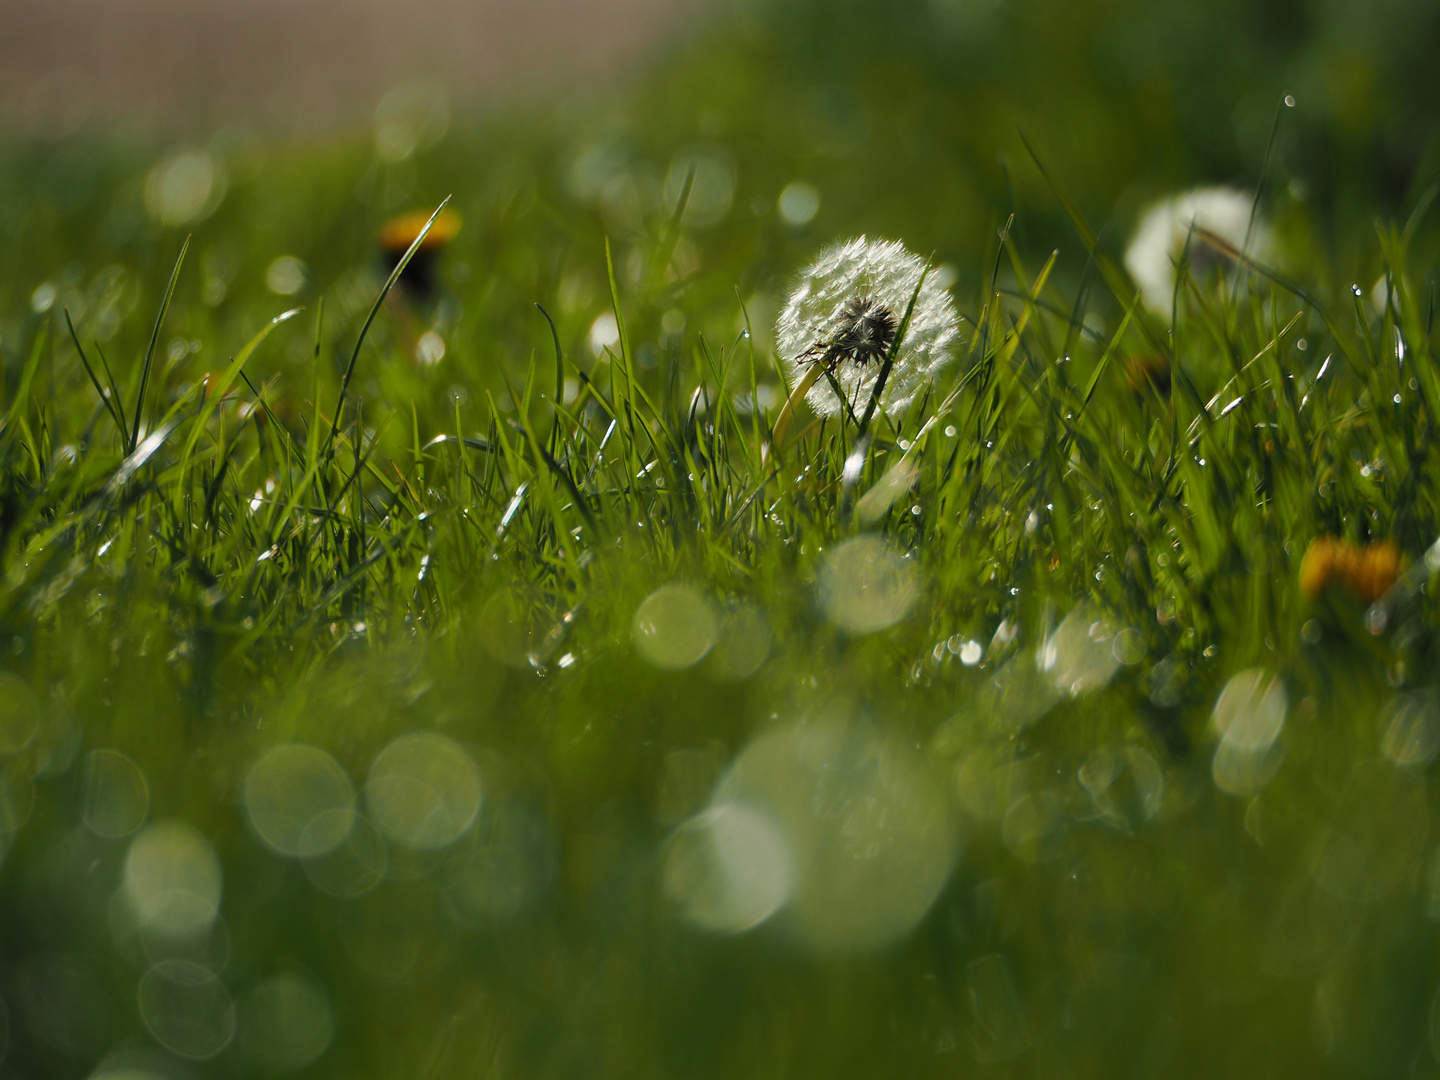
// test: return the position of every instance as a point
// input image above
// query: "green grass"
(279, 526)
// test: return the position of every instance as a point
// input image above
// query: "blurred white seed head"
(1164, 228)
(875, 278)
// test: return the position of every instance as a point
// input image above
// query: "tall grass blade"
(105, 396)
(370, 318)
(150, 349)
(894, 351)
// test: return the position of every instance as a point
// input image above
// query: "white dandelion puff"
(843, 317)
(1165, 228)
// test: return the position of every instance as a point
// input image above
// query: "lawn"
(463, 647)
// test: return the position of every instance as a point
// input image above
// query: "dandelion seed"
(1164, 230)
(843, 318)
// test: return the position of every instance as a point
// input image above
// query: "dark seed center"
(865, 334)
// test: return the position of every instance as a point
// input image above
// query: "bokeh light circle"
(115, 797)
(674, 627)
(354, 866)
(743, 644)
(19, 713)
(299, 800)
(187, 1009)
(867, 824)
(286, 1022)
(172, 880)
(184, 188)
(1249, 716)
(1412, 730)
(729, 868)
(423, 791)
(1376, 834)
(1080, 657)
(865, 586)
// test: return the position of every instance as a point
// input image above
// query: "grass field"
(457, 674)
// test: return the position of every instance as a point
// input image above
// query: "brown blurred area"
(301, 64)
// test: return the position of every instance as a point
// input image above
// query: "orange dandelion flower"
(1143, 371)
(1366, 572)
(397, 234)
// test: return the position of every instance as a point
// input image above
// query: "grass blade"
(150, 349)
(370, 318)
(105, 397)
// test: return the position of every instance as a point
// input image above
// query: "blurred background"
(902, 114)
(186, 65)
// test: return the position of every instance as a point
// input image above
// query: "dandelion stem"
(787, 411)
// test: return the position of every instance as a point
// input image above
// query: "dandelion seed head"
(1164, 228)
(837, 315)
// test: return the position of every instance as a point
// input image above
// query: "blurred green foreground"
(525, 713)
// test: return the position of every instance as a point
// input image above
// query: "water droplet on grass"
(1129, 646)
(430, 349)
(604, 333)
